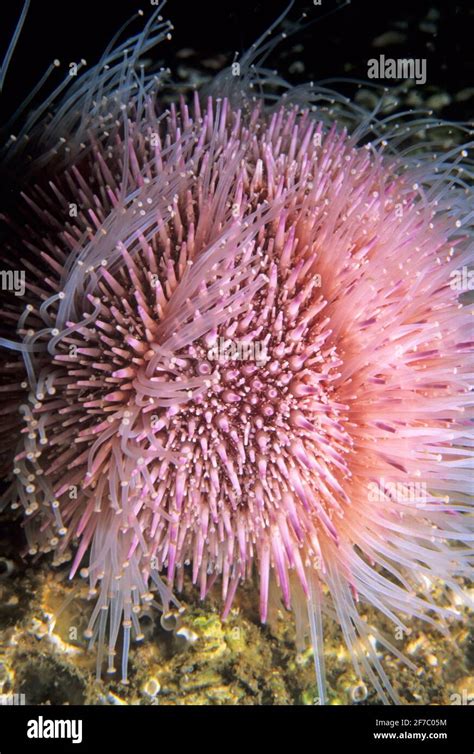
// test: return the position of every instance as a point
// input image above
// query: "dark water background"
(337, 44)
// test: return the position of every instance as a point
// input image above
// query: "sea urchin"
(240, 350)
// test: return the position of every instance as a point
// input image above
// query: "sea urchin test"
(330, 454)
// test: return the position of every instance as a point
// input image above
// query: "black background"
(338, 43)
(240, 728)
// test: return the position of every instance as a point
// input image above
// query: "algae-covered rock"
(200, 658)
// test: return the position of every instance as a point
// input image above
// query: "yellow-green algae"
(207, 660)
